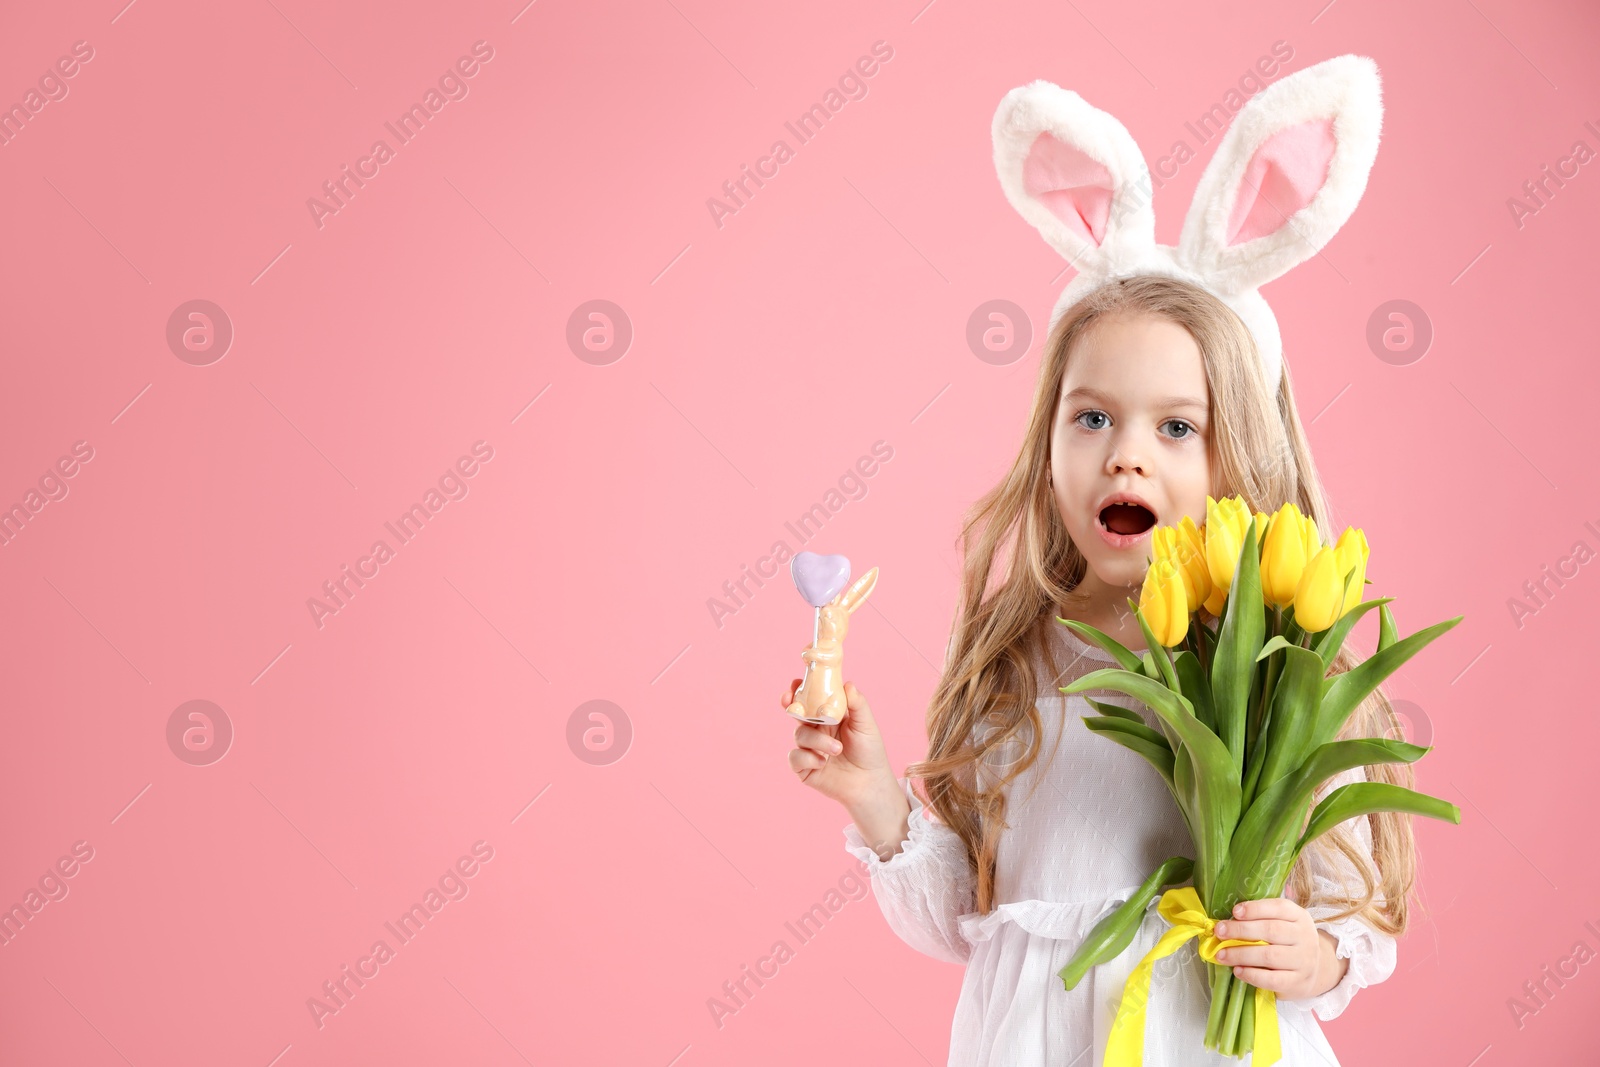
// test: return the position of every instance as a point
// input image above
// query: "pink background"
(768, 355)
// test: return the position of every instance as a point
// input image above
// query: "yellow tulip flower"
(1164, 543)
(1352, 551)
(1162, 602)
(1189, 553)
(1182, 545)
(1162, 540)
(1319, 599)
(1283, 556)
(1224, 535)
(1226, 522)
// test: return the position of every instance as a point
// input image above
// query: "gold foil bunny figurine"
(820, 698)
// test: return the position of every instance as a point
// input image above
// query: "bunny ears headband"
(1288, 173)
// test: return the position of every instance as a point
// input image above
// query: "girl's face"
(1131, 424)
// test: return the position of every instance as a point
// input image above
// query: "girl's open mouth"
(1123, 524)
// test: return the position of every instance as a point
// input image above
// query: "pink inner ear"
(1075, 187)
(1284, 176)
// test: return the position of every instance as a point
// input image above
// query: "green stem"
(1258, 751)
(1234, 1010)
(1258, 713)
(1247, 1022)
(1219, 1001)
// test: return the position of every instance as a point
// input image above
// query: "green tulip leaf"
(1278, 641)
(1125, 681)
(1333, 638)
(1364, 798)
(1215, 797)
(1186, 791)
(1108, 724)
(1293, 719)
(1118, 650)
(1262, 849)
(1112, 934)
(1238, 641)
(1387, 634)
(1193, 676)
(1337, 756)
(1292, 632)
(1136, 737)
(1155, 650)
(1328, 760)
(1342, 692)
(1107, 708)
(1172, 708)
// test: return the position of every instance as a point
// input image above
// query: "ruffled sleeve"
(925, 888)
(1370, 951)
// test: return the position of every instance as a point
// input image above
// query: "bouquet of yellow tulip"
(1248, 715)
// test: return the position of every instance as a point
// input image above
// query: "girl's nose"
(1122, 460)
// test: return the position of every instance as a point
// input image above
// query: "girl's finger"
(1265, 908)
(788, 698)
(857, 704)
(1270, 956)
(817, 740)
(1278, 931)
(803, 759)
(1276, 981)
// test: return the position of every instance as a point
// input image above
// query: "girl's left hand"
(1298, 962)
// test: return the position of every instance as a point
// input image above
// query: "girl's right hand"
(847, 762)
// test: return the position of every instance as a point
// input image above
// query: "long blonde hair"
(1020, 568)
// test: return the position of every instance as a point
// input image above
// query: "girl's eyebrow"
(1164, 402)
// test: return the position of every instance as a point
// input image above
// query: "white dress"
(1085, 829)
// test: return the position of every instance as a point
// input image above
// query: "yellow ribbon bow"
(1182, 908)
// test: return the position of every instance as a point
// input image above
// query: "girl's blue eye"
(1187, 431)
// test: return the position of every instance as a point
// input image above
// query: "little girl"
(1150, 398)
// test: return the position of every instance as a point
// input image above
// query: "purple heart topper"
(819, 578)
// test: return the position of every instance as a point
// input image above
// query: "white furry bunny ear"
(1076, 175)
(1288, 173)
